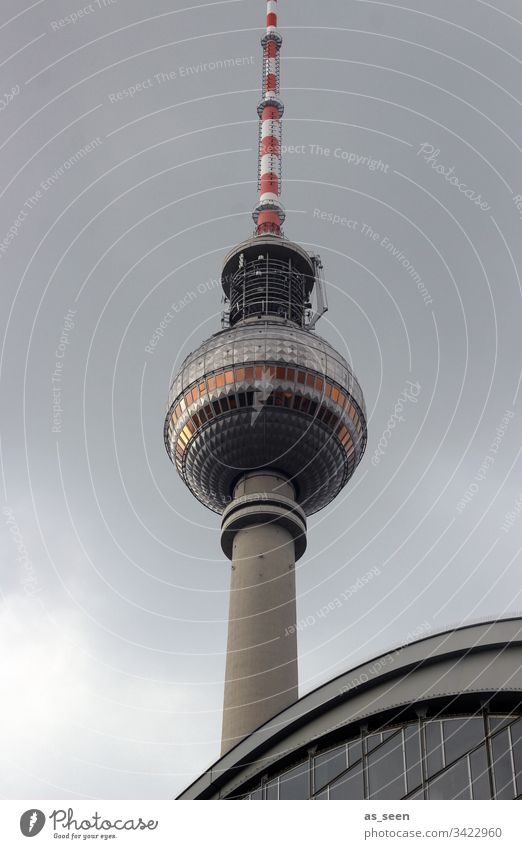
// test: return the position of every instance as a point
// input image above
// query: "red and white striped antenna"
(269, 213)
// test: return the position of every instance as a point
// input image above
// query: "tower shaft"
(263, 531)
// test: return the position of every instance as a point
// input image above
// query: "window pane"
(354, 752)
(502, 769)
(350, 786)
(461, 735)
(271, 789)
(419, 794)
(453, 783)
(322, 795)
(413, 756)
(256, 794)
(294, 784)
(433, 747)
(480, 774)
(329, 765)
(386, 770)
(373, 740)
(516, 737)
(498, 722)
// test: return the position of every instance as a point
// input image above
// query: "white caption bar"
(165, 824)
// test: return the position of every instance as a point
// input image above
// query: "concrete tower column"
(263, 533)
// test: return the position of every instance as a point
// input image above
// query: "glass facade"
(232, 388)
(476, 756)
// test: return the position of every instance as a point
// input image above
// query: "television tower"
(266, 424)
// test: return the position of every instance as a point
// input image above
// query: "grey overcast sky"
(128, 168)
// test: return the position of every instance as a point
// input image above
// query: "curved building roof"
(457, 670)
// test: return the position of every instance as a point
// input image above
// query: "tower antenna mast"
(269, 213)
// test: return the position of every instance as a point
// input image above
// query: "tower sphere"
(266, 393)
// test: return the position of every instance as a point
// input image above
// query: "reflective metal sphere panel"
(265, 395)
